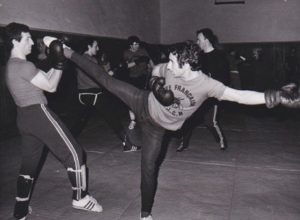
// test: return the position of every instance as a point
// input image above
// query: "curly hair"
(187, 52)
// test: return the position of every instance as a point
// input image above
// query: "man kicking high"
(178, 88)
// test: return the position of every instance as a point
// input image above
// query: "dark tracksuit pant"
(152, 134)
(40, 127)
(208, 114)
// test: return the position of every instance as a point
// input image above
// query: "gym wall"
(254, 21)
(105, 18)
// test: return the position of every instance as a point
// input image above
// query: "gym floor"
(256, 178)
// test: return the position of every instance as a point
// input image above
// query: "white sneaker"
(88, 203)
(149, 217)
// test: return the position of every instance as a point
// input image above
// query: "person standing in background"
(214, 64)
(139, 65)
(92, 96)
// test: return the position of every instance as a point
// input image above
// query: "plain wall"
(160, 21)
(106, 18)
(254, 21)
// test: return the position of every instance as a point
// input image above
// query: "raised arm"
(49, 81)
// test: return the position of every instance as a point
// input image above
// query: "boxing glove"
(272, 98)
(164, 96)
(290, 88)
(64, 40)
(290, 96)
(56, 54)
(48, 40)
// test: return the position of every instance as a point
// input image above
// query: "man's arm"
(243, 96)
(155, 71)
(288, 96)
(47, 81)
(151, 63)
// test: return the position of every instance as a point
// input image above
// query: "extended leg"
(124, 91)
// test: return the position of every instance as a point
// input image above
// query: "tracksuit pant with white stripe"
(208, 114)
(40, 127)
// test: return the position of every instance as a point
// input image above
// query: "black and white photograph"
(149, 110)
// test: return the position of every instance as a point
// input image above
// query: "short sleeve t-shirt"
(19, 73)
(189, 95)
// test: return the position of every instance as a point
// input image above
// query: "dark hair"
(85, 43)
(132, 39)
(208, 34)
(187, 52)
(13, 31)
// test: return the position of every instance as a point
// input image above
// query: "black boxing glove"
(164, 96)
(56, 54)
(290, 88)
(272, 98)
(141, 59)
(290, 96)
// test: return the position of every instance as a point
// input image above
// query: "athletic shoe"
(88, 203)
(132, 124)
(149, 217)
(131, 148)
